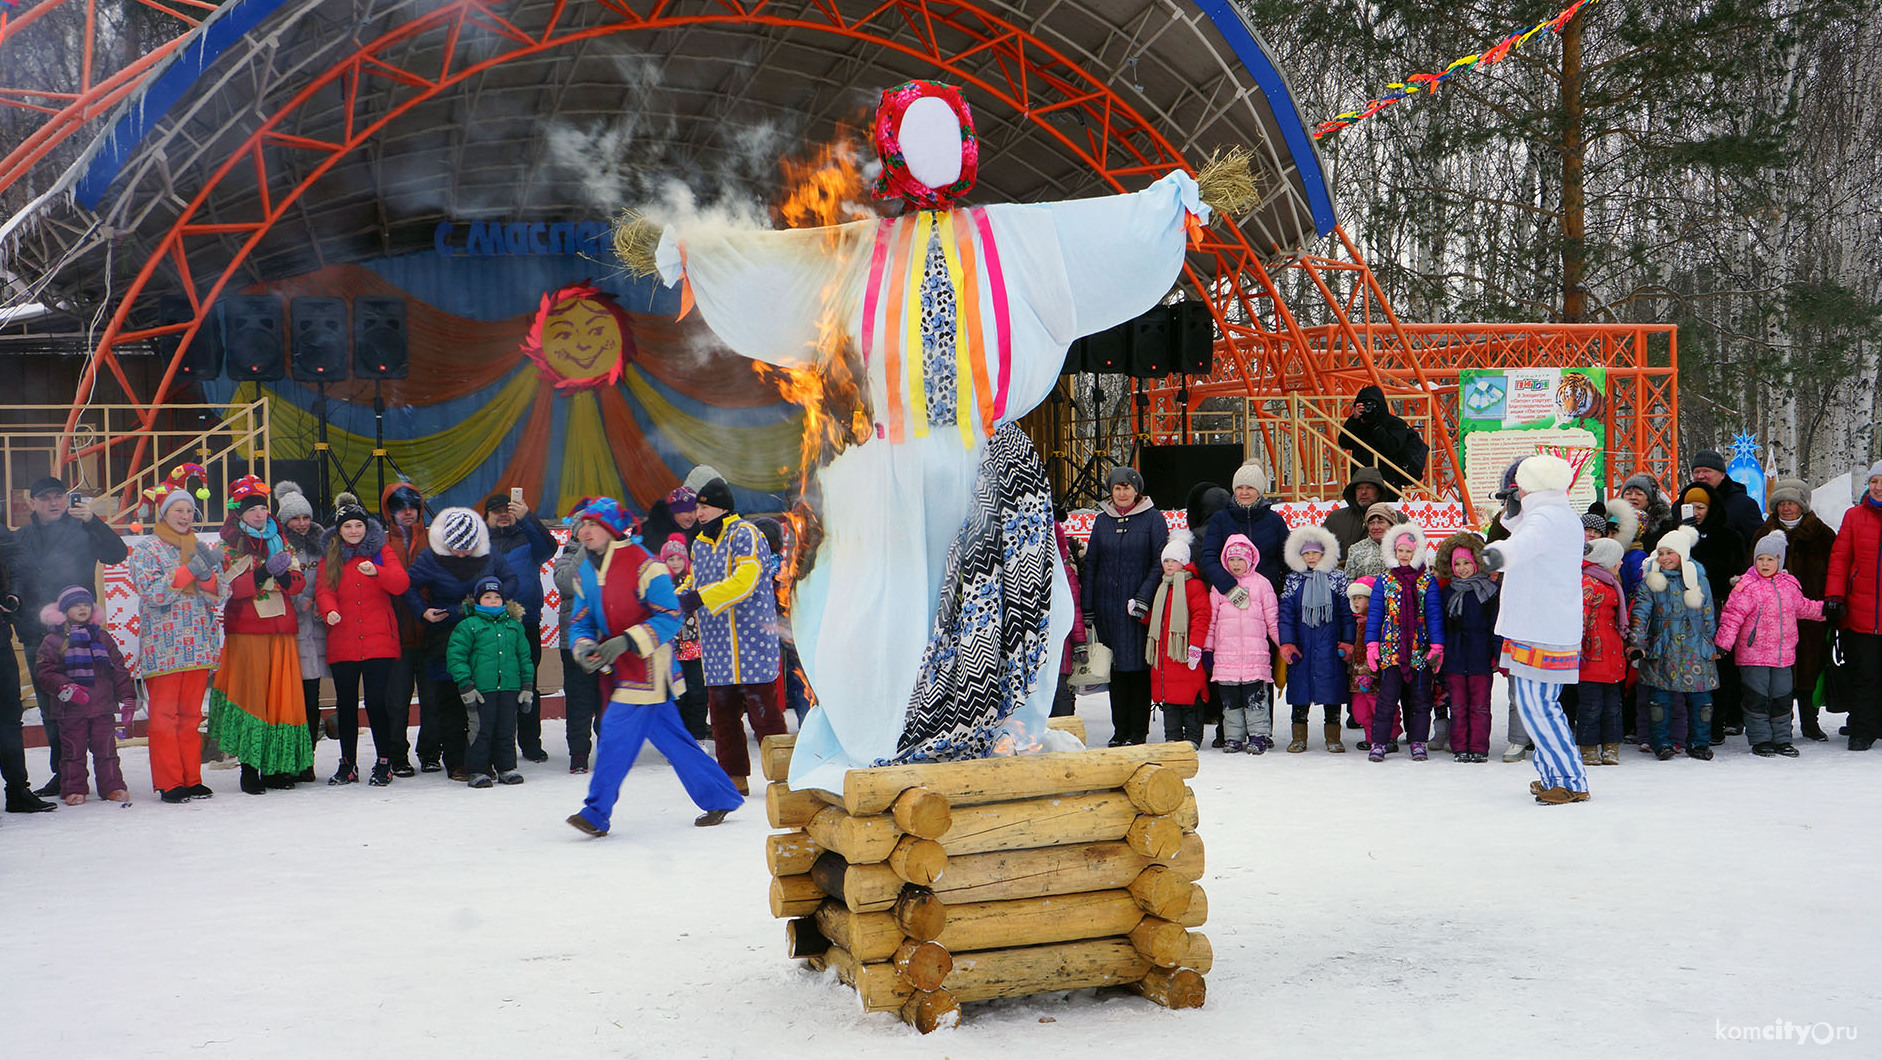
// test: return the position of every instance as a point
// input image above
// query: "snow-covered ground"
(1356, 910)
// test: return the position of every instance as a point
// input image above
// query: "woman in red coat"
(1853, 599)
(360, 577)
(256, 711)
(1179, 625)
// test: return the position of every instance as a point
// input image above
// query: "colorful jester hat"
(246, 492)
(895, 180)
(615, 519)
(155, 498)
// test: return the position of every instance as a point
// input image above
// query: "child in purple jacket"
(80, 666)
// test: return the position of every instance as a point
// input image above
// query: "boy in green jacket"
(489, 660)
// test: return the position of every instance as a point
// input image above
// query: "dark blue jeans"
(1599, 718)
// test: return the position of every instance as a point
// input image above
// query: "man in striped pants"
(1540, 620)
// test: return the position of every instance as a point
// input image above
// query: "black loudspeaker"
(1074, 357)
(1153, 343)
(1108, 351)
(203, 358)
(1170, 470)
(251, 337)
(379, 338)
(1195, 339)
(317, 339)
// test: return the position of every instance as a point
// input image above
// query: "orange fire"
(825, 191)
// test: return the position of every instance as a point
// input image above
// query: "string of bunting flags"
(1428, 83)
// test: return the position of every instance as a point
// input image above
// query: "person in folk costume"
(256, 712)
(177, 579)
(1404, 642)
(357, 594)
(296, 516)
(1540, 617)
(621, 626)
(731, 593)
(955, 323)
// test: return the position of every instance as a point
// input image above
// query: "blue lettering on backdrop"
(521, 239)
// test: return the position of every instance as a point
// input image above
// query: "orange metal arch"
(1026, 74)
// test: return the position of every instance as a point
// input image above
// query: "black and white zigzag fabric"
(987, 647)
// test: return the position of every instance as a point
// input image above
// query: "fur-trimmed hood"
(1464, 539)
(368, 547)
(1680, 540)
(1329, 545)
(1624, 518)
(1389, 541)
(439, 531)
(1239, 544)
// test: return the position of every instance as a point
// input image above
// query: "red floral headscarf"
(895, 180)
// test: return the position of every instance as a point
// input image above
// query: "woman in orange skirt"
(256, 711)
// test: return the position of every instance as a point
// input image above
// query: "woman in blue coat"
(1122, 569)
(1317, 631)
(442, 577)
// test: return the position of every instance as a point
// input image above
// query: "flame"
(825, 191)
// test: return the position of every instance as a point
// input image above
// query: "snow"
(1355, 909)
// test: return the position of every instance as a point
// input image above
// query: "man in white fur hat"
(1540, 620)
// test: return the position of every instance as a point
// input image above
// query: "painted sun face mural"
(580, 337)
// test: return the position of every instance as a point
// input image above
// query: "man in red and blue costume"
(621, 626)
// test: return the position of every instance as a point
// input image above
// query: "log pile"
(927, 886)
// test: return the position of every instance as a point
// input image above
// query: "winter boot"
(1590, 755)
(578, 763)
(381, 774)
(481, 780)
(403, 768)
(430, 765)
(279, 781)
(23, 800)
(1514, 753)
(306, 776)
(201, 791)
(1610, 754)
(1234, 747)
(251, 782)
(1419, 751)
(1700, 751)
(346, 774)
(1334, 746)
(1560, 796)
(1764, 750)
(176, 794)
(1299, 742)
(1440, 735)
(1808, 725)
(1391, 747)
(50, 787)
(1666, 754)
(511, 777)
(709, 818)
(1258, 745)
(1377, 754)
(1787, 750)
(583, 824)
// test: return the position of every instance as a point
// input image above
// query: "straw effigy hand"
(1226, 182)
(635, 240)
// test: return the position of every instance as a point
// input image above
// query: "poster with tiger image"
(1508, 413)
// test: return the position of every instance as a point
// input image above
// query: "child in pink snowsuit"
(80, 665)
(1239, 636)
(1758, 625)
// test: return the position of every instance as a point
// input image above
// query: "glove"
(1372, 656)
(1833, 610)
(278, 564)
(1437, 657)
(1136, 609)
(1346, 651)
(1195, 657)
(471, 695)
(203, 564)
(75, 695)
(690, 602)
(526, 700)
(1512, 506)
(1239, 597)
(1492, 560)
(1290, 653)
(587, 655)
(612, 648)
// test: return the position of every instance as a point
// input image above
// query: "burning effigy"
(931, 610)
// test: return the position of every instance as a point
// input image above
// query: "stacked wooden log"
(927, 886)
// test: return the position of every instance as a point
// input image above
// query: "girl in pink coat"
(1240, 637)
(1758, 625)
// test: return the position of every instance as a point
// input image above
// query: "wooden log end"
(1173, 987)
(932, 1010)
(1071, 723)
(774, 755)
(1160, 838)
(1155, 789)
(790, 853)
(1200, 955)
(793, 896)
(1198, 912)
(920, 913)
(804, 938)
(923, 813)
(918, 861)
(1162, 942)
(923, 965)
(1161, 892)
(790, 809)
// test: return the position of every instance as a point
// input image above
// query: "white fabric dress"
(1040, 276)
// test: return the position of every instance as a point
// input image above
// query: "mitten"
(1492, 559)
(526, 700)
(1195, 656)
(1372, 656)
(470, 694)
(690, 602)
(1136, 609)
(587, 655)
(279, 563)
(1437, 657)
(1833, 610)
(76, 695)
(1290, 653)
(1346, 651)
(1239, 597)
(612, 648)
(203, 564)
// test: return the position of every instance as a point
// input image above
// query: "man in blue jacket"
(525, 545)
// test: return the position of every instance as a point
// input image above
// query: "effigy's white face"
(930, 138)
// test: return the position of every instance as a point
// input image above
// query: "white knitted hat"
(1178, 547)
(1679, 540)
(1542, 473)
(1252, 474)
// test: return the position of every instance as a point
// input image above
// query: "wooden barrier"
(928, 886)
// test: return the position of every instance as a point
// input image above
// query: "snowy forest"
(1708, 164)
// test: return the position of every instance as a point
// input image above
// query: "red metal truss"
(92, 92)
